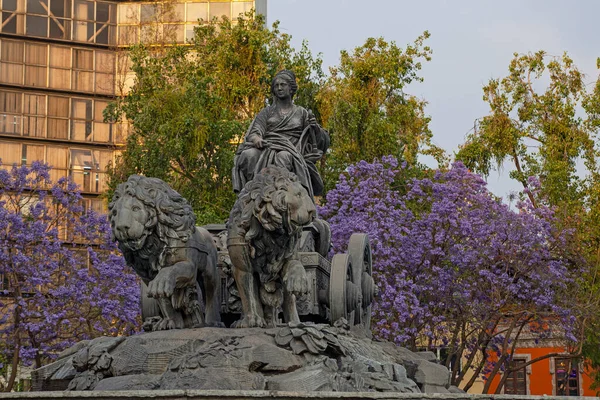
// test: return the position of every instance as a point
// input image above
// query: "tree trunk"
(16, 358)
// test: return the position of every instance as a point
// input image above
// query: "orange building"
(556, 376)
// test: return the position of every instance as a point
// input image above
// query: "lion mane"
(261, 219)
(171, 220)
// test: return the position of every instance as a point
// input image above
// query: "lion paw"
(165, 324)
(163, 285)
(296, 281)
(250, 321)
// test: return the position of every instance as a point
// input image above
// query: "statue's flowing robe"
(282, 134)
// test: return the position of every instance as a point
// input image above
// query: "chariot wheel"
(359, 252)
(344, 295)
(340, 269)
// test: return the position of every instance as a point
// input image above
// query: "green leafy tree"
(367, 112)
(544, 121)
(191, 104)
(542, 133)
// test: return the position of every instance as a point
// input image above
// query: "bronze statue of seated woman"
(284, 135)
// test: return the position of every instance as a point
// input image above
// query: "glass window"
(151, 33)
(103, 12)
(240, 7)
(113, 14)
(83, 81)
(129, 14)
(121, 132)
(566, 372)
(174, 33)
(12, 23)
(57, 157)
(9, 22)
(108, 35)
(150, 13)
(196, 11)
(218, 10)
(60, 28)
(58, 106)
(102, 130)
(36, 54)
(36, 26)
(83, 10)
(34, 120)
(516, 382)
(105, 83)
(10, 102)
(105, 65)
(10, 123)
(35, 60)
(105, 61)
(10, 153)
(81, 122)
(11, 73)
(128, 34)
(83, 59)
(34, 126)
(102, 33)
(9, 5)
(60, 8)
(174, 12)
(31, 153)
(81, 109)
(189, 31)
(10, 112)
(60, 71)
(58, 128)
(59, 78)
(34, 104)
(99, 107)
(37, 7)
(60, 56)
(83, 31)
(97, 205)
(82, 169)
(104, 159)
(12, 51)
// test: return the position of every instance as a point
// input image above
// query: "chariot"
(340, 288)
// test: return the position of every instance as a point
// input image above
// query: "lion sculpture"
(155, 229)
(263, 229)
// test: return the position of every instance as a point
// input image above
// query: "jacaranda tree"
(456, 267)
(62, 280)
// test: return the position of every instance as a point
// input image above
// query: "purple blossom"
(53, 293)
(446, 252)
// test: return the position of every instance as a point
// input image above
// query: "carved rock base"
(303, 358)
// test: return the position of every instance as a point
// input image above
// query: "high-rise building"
(61, 63)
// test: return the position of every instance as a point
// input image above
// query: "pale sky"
(472, 41)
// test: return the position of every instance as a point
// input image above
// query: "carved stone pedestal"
(302, 358)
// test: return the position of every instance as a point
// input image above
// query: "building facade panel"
(73, 118)
(79, 20)
(62, 62)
